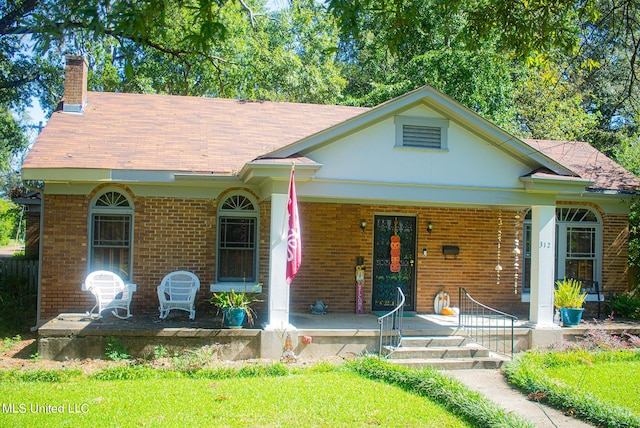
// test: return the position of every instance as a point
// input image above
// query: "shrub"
(9, 219)
(115, 350)
(627, 306)
(598, 338)
(17, 306)
(199, 358)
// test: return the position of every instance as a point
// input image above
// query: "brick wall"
(64, 255)
(169, 234)
(32, 236)
(180, 233)
(332, 240)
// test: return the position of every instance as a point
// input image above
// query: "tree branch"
(249, 11)
(8, 21)
(16, 83)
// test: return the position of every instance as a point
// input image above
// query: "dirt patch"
(23, 356)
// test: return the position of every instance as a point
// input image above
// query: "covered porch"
(314, 337)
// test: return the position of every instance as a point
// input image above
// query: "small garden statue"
(288, 356)
(319, 308)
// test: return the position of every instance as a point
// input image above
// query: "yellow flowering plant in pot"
(568, 299)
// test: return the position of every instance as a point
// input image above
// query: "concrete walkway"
(493, 385)
(10, 250)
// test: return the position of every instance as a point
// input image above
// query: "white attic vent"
(421, 133)
(421, 136)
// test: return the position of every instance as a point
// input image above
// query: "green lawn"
(337, 398)
(613, 383)
(600, 386)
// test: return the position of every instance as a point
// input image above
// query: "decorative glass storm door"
(394, 244)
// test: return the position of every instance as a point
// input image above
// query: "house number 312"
(545, 244)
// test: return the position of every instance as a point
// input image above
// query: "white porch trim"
(543, 248)
(278, 289)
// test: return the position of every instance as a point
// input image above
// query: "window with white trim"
(111, 230)
(421, 133)
(578, 240)
(237, 256)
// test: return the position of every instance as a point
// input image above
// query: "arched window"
(578, 245)
(237, 257)
(111, 230)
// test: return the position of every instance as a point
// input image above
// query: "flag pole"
(285, 219)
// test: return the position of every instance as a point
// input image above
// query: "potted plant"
(568, 299)
(236, 307)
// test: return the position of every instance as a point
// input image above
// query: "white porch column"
(278, 288)
(543, 248)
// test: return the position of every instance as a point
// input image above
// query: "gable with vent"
(421, 133)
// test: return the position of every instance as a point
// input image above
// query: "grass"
(329, 396)
(599, 386)
(9, 342)
(478, 410)
(604, 381)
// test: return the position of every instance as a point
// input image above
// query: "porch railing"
(391, 325)
(486, 326)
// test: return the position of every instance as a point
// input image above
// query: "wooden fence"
(19, 273)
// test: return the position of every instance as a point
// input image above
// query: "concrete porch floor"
(76, 336)
(75, 323)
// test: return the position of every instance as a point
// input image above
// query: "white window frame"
(238, 212)
(442, 124)
(113, 210)
(561, 246)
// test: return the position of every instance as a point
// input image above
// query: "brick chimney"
(75, 84)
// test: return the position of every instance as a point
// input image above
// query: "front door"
(394, 257)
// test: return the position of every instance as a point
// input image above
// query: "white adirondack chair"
(110, 293)
(178, 291)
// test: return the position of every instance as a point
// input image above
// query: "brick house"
(149, 184)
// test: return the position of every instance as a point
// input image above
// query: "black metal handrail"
(486, 326)
(391, 325)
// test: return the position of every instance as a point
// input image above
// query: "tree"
(519, 28)
(549, 106)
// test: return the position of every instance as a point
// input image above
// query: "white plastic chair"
(110, 293)
(178, 291)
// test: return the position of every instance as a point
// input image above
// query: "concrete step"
(428, 341)
(452, 352)
(469, 350)
(492, 362)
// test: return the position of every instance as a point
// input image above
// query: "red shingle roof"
(219, 136)
(589, 163)
(176, 133)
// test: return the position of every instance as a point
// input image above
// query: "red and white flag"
(294, 242)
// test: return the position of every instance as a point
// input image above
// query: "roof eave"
(255, 172)
(79, 175)
(555, 184)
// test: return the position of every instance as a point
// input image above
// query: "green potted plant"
(568, 299)
(236, 306)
